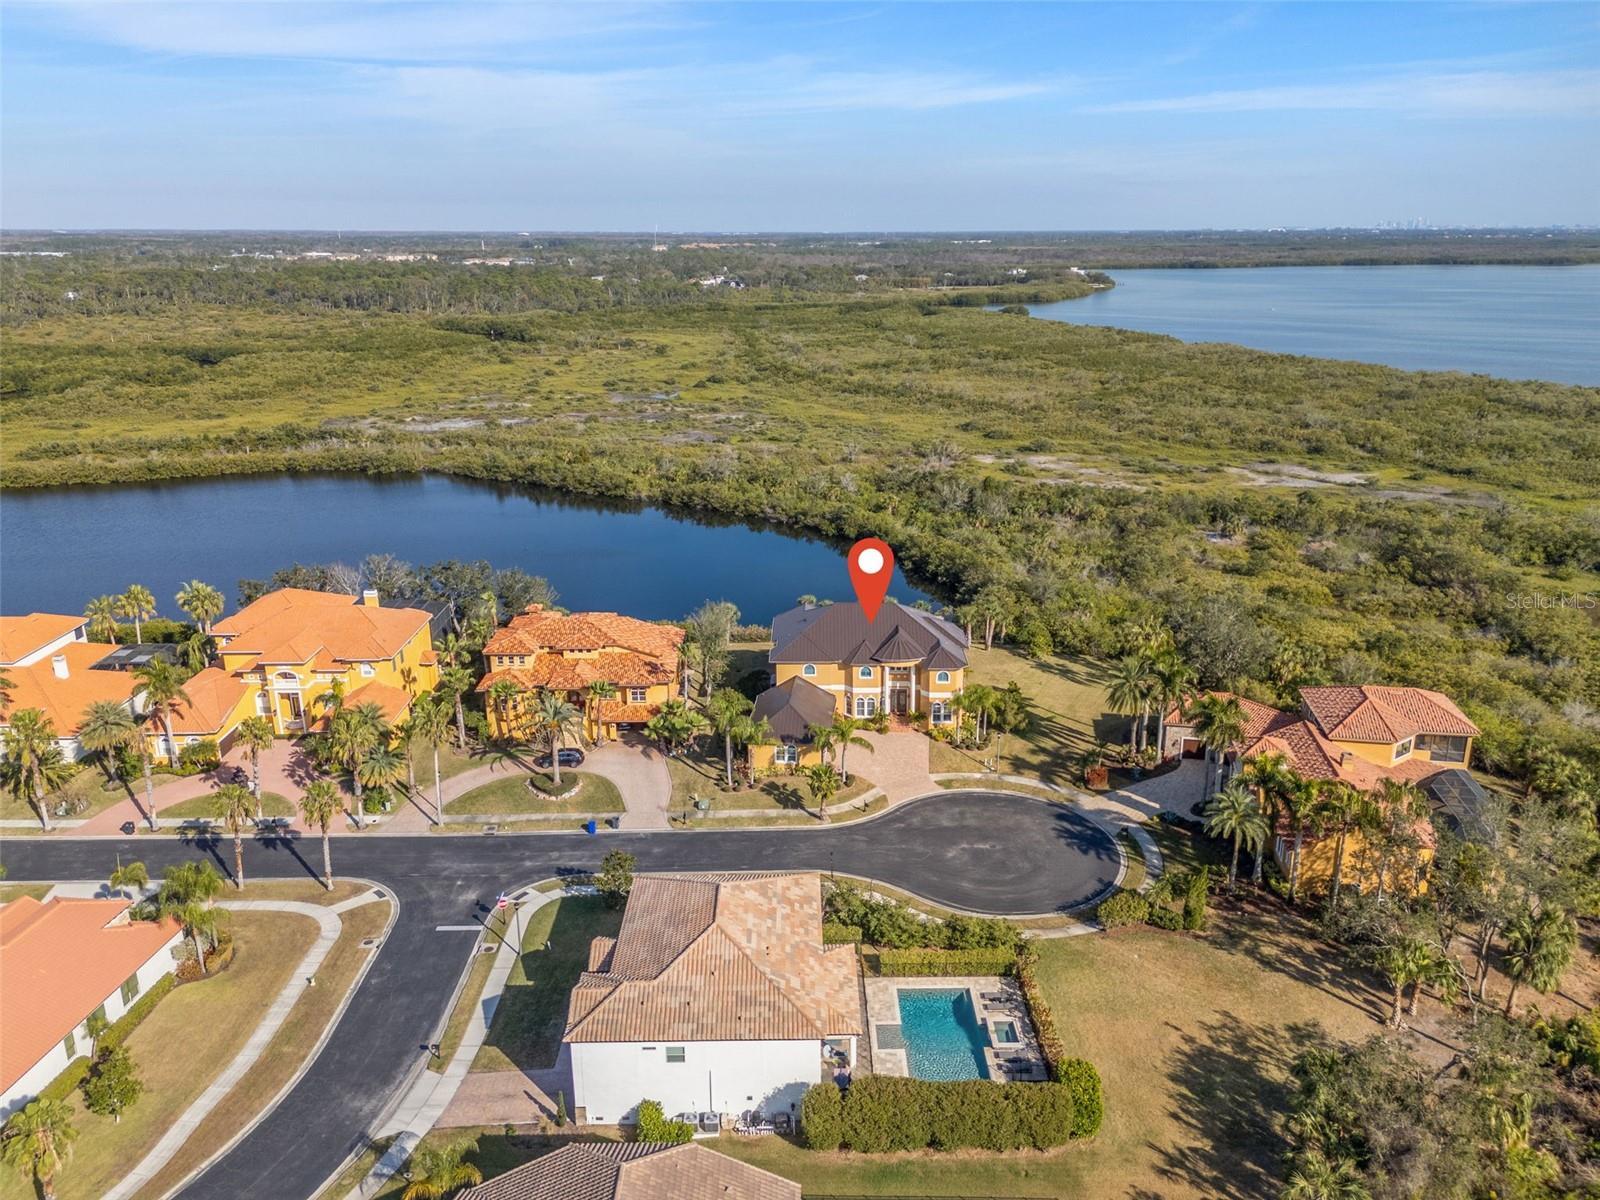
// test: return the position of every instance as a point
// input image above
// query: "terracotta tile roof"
(718, 957)
(1258, 717)
(63, 700)
(627, 714)
(623, 668)
(635, 1171)
(58, 961)
(22, 636)
(394, 702)
(213, 694)
(841, 633)
(293, 625)
(1371, 713)
(793, 707)
(538, 629)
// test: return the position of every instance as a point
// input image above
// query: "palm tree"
(352, 734)
(38, 1142)
(726, 709)
(320, 806)
(554, 718)
(599, 692)
(1404, 963)
(32, 765)
(138, 605)
(748, 731)
(1235, 813)
(1009, 714)
(822, 781)
(1317, 1177)
(456, 682)
(105, 728)
(380, 767)
(1539, 950)
(255, 734)
(1172, 685)
(202, 602)
(1399, 809)
(129, 880)
(1219, 722)
(436, 1171)
(674, 725)
(330, 701)
(161, 685)
(187, 891)
(101, 613)
(977, 699)
(430, 724)
(1301, 803)
(1273, 779)
(1132, 685)
(233, 804)
(1340, 806)
(6, 684)
(503, 695)
(846, 733)
(195, 650)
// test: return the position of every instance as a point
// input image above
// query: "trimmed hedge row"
(881, 1113)
(947, 962)
(64, 1084)
(1044, 1021)
(1123, 908)
(836, 933)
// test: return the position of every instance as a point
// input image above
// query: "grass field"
(180, 1047)
(526, 1031)
(701, 772)
(272, 805)
(15, 891)
(512, 795)
(88, 785)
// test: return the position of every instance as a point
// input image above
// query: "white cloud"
(1436, 94)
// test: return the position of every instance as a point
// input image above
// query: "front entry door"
(900, 701)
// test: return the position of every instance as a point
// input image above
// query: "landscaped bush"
(1165, 918)
(64, 1084)
(201, 756)
(882, 1113)
(1194, 900)
(822, 1117)
(1088, 1098)
(836, 934)
(1124, 908)
(925, 961)
(1044, 1021)
(654, 1126)
(889, 923)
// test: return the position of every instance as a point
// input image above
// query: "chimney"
(370, 597)
(59, 663)
(1347, 758)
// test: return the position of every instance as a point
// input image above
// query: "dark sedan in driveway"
(571, 756)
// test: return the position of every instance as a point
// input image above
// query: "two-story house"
(541, 649)
(716, 995)
(1360, 736)
(828, 658)
(54, 668)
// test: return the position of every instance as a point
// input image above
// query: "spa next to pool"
(967, 1027)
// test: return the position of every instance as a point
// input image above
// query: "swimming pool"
(942, 1036)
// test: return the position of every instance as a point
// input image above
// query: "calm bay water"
(1515, 322)
(60, 547)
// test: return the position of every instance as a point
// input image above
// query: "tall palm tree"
(1539, 950)
(675, 725)
(1273, 779)
(436, 1171)
(129, 879)
(555, 719)
(846, 733)
(430, 724)
(977, 699)
(32, 765)
(1405, 962)
(101, 613)
(748, 731)
(1172, 685)
(330, 701)
(1219, 723)
(1133, 684)
(320, 805)
(456, 682)
(6, 684)
(255, 734)
(503, 694)
(1400, 808)
(1235, 813)
(233, 805)
(1340, 806)
(38, 1142)
(594, 700)
(352, 734)
(202, 602)
(187, 891)
(138, 605)
(161, 686)
(822, 781)
(105, 728)
(1301, 803)
(725, 710)
(1010, 714)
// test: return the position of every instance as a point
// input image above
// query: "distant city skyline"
(824, 118)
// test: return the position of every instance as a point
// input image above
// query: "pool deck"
(888, 1050)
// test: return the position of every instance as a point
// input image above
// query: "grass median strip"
(514, 796)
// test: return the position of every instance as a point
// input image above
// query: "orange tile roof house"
(541, 648)
(716, 995)
(635, 1171)
(61, 961)
(55, 668)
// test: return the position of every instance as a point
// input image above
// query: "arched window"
(809, 670)
(942, 677)
(866, 672)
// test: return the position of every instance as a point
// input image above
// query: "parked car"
(571, 756)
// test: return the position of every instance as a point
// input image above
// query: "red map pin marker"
(871, 568)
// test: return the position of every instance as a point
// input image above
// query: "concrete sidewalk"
(327, 918)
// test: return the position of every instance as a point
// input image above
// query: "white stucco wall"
(56, 1061)
(609, 1079)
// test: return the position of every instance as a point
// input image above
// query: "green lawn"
(88, 785)
(702, 771)
(451, 762)
(15, 891)
(527, 1026)
(272, 805)
(512, 795)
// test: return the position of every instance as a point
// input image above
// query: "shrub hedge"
(885, 922)
(654, 1127)
(835, 933)
(1123, 908)
(1079, 1077)
(1044, 1021)
(64, 1084)
(947, 962)
(881, 1113)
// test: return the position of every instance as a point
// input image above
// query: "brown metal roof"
(793, 707)
(717, 957)
(841, 633)
(635, 1171)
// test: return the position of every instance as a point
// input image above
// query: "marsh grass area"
(526, 1031)
(579, 792)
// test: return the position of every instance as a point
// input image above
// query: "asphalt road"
(970, 850)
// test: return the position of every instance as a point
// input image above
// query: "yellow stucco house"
(280, 655)
(1360, 736)
(540, 649)
(828, 658)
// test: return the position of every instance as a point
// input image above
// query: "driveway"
(640, 772)
(897, 763)
(1174, 792)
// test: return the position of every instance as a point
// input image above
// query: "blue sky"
(888, 116)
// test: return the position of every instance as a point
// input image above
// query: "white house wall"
(609, 1079)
